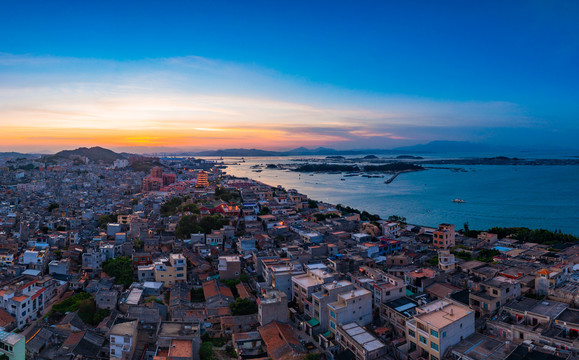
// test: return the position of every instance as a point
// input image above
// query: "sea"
(537, 197)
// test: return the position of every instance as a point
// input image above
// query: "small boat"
(457, 200)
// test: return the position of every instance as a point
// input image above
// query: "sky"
(190, 75)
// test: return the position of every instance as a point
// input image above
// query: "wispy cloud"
(52, 102)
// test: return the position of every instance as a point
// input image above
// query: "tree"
(105, 219)
(243, 307)
(264, 210)
(213, 222)
(312, 204)
(186, 226)
(397, 218)
(192, 208)
(121, 269)
(52, 206)
(206, 351)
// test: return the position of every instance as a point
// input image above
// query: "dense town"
(171, 258)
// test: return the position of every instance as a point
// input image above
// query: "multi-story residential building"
(493, 293)
(59, 267)
(395, 313)
(92, 260)
(391, 229)
(437, 326)
(24, 301)
(320, 300)
(279, 276)
(272, 306)
(146, 273)
(444, 237)
(446, 260)
(303, 286)
(229, 267)
(35, 259)
(141, 259)
(546, 280)
(12, 346)
(170, 270)
(384, 287)
(123, 339)
(351, 306)
(6, 258)
(360, 342)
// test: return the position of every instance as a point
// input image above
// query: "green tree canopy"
(121, 269)
(243, 307)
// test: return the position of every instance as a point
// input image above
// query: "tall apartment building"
(443, 238)
(320, 300)
(169, 271)
(351, 306)
(437, 326)
(272, 306)
(279, 276)
(303, 286)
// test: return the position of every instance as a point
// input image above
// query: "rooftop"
(181, 349)
(445, 316)
(362, 337)
(480, 347)
(10, 338)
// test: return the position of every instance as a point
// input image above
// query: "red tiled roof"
(5, 318)
(281, 341)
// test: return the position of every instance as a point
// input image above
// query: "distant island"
(327, 168)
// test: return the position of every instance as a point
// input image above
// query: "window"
(411, 333)
(433, 357)
(444, 334)
(434, 333)
(333, 325)
(434, 345)
(332, 314)
(423, 340)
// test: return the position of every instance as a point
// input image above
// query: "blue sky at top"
(521, 53)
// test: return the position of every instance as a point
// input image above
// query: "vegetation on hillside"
(191, 224)
(86, 306)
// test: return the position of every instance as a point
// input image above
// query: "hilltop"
(93, 154)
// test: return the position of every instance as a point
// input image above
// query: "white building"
(123, 338)
(352, 306)
(437, 326)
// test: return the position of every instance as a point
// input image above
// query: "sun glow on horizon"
(150, 105)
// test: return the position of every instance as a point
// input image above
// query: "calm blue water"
(532, 196)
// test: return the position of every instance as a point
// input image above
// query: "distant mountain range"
(13, 155)
(108, 156)
(432, 147)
